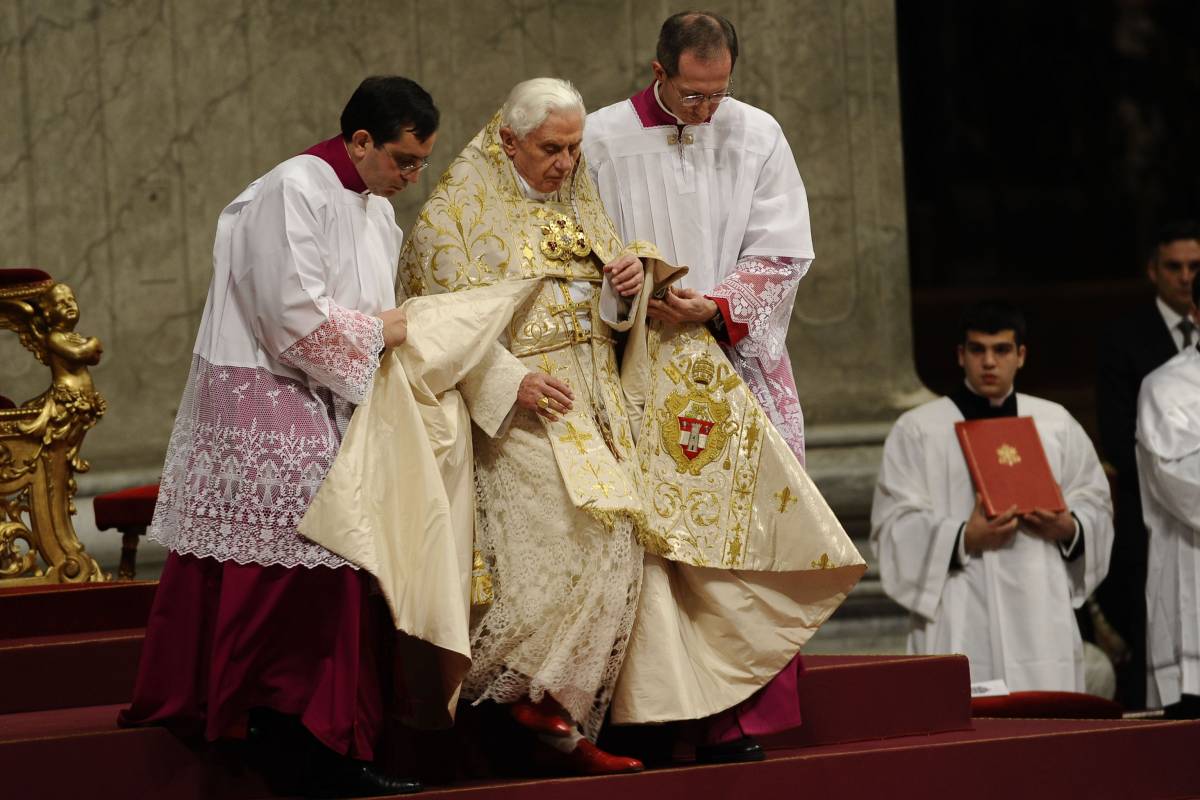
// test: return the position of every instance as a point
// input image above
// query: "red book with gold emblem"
(1008, 465)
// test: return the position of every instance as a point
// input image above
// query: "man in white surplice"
(1168, 455)
(1000, 590)
(712, 182)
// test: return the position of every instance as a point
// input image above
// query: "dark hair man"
(999, 589)
(1129, 350)
(713, 183)
(1168, 455)
(254, 623)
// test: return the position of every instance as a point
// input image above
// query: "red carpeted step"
(80, 753)
(65, 670)
(852, 698)
(1030, 759)
(76, 608)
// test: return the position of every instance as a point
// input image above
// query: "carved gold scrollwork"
(40, 441)
(15, 562)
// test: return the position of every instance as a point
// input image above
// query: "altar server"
(999, 589)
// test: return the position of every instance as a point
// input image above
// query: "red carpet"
(896, 727)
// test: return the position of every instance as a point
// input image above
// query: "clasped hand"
(626, 273)
(984, 533)
(682, 305)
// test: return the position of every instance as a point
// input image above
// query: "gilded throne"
(40, 438)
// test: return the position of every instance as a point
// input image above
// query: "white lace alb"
(250, 448)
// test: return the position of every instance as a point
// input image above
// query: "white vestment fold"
(1168, 455)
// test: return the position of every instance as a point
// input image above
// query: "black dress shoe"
(357, 779)
(739, 750)
(295, 762)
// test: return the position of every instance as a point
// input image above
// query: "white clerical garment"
(289, 340)
(1010, 611)
(1168, 455)
(725, 199)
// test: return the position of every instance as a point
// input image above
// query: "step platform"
(898, 726)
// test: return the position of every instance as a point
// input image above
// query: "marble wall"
(126, 125)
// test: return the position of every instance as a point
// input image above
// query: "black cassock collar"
(974, 406)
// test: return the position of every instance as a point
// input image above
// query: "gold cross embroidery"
(576, 437)
(785, 498)
(599, 485)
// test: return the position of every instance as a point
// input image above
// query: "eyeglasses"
(408, 166)
(693, 100)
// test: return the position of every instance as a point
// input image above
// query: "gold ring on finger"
(543, 402)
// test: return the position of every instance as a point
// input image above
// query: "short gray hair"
(531, 101)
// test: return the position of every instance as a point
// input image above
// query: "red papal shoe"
(587, 759)
(545, 716)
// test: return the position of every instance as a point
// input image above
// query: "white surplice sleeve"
(1168, 445)
(283, 271)
(912, 542)
(1085, 490)
(775, 253)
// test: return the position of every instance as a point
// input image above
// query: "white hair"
(530, 102)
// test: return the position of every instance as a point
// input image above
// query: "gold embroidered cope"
(478, 229)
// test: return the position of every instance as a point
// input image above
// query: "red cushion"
(19, 275)
(1046, 705)
(128, 508)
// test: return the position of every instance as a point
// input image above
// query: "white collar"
(1169, 315)
(530, 192)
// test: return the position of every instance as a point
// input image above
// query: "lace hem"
(342, 353)
(248, 452)
(565, 586)
(760, 294)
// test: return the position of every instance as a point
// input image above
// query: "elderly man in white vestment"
(558, 490)
(253, 623)
(712, 182)
(1002, 589)
(1168, 455)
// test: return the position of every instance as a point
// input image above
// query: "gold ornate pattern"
(700, 452)
(482, 590)
(562, 238)
(785, 498)
(576, 437)
(823, 562)
(1008, 455)
(692, 422)
(478, 228)
(40, 441)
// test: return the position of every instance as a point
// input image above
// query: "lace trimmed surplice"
(289, 343)
(757, 299)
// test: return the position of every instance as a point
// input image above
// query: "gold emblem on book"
(1007, 455)
(692, 426)
(562, 238)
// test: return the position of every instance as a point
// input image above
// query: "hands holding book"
(984, 533)
(1053, 526)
